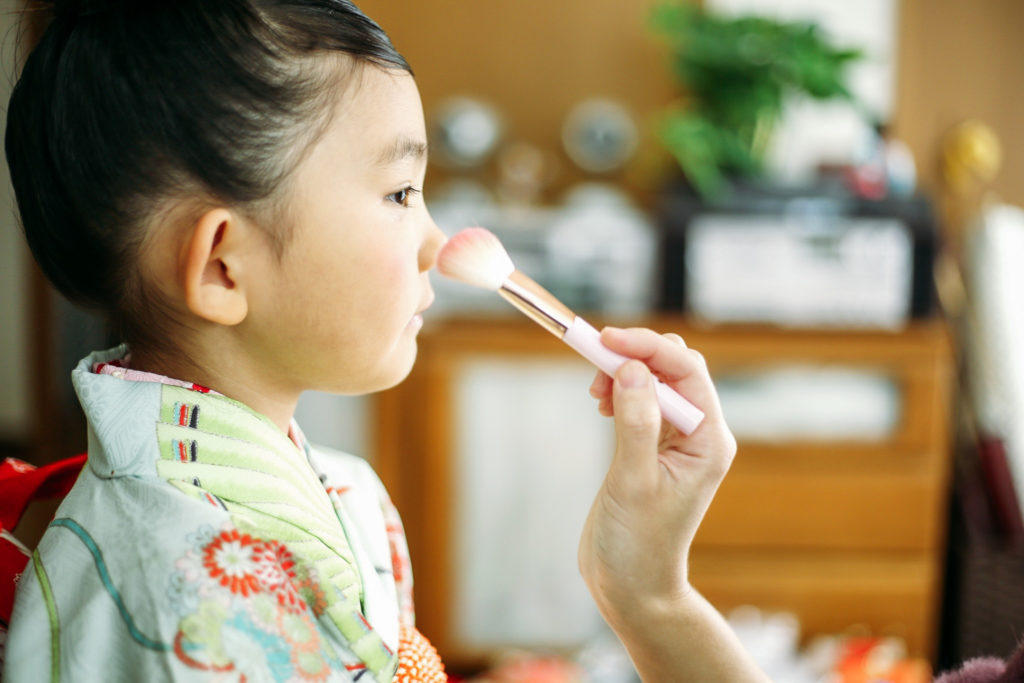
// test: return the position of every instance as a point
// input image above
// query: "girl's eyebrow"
(402, 148)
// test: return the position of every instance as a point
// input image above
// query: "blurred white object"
(521, 497)
(794, 403)
(464, 132)
(525, 170)
(601, 253)
(605, 660)
(339, 422)
(800, 269)
(772, 639)
(599, 135)
(995, 284)
(900, 168)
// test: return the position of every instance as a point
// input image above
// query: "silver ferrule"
(537, 303)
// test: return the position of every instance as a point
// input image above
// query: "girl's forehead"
(380, 118)
(377, 126)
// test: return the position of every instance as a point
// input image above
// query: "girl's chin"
(374, 373)
(400, 364)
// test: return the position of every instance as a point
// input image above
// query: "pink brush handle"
(587, 342)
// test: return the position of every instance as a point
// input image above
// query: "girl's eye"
(403, 196)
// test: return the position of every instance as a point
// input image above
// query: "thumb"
(637, 419)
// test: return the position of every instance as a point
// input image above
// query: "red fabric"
(12, 562)
(20, 484)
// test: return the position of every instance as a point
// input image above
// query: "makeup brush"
(476, 257)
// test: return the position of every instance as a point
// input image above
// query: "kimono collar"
(222, 453)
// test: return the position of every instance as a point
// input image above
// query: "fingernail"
(633, 375)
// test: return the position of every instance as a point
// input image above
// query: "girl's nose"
(433, 239)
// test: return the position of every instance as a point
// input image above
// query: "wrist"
(683, 638)
(629, 612)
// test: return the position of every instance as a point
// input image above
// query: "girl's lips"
(416, 322)
(427, 303)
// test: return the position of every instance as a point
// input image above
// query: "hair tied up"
(74, 9)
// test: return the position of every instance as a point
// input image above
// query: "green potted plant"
(737, 73)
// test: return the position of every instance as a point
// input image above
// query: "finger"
(684, 369)
(675, 338)
(637, 422)
(601, 387)
(667, 356)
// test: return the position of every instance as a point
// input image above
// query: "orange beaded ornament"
(418, 661)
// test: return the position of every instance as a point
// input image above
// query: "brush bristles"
(475, 256)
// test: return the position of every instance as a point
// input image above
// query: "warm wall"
(962, 60)
(535, 58)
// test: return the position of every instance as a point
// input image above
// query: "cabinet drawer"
(881, 593)
(893, 504)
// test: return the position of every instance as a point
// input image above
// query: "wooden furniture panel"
(881, 494)
(789, 509)
(886, 593)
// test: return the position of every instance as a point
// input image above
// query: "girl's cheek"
(397, 268)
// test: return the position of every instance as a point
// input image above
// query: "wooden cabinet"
(842, 533)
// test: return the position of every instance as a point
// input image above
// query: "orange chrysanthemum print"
(275, 568)
(231, 559)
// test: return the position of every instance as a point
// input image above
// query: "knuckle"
(728, 454)
(731, 447)
(640, 420)
(646, 334)
(675, 339)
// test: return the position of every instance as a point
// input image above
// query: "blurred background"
(823, 197)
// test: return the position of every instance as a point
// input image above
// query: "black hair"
(124, 104)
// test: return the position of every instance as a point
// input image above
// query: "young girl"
(238, 184)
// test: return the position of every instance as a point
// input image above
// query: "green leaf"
(738, 71)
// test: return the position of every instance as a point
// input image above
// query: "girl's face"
(340, 311)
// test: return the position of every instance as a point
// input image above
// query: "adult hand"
(636, 541)
(660, 483)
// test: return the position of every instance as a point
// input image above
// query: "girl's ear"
(211, 265)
